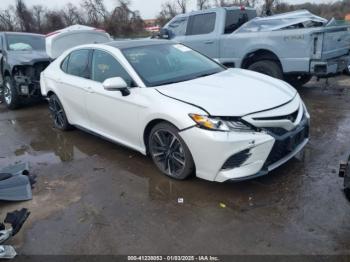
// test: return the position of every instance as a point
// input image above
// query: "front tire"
(298, 80)
(169, 152)
(10, 94)
(58, 114)
(267, 67)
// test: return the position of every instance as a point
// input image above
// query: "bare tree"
(123, 21)
(38, 16)
(8, 19)
(53, 21)
(268, 6)
(182, 4)
(202, 4)
(96, 12)
(71, 15)
(168, 11)
(24, 16)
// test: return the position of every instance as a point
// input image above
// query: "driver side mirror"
(165, 33)
(116, 84)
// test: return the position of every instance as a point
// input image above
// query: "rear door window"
(236, 18)
(201, 24)
(78, 63)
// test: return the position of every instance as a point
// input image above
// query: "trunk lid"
(61, 40)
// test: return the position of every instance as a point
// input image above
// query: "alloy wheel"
(167, 152)
(7, 93)
(57, 113)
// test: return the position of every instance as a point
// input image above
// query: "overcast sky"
(148, 8)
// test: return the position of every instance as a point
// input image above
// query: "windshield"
(25, 42)
(169, 63)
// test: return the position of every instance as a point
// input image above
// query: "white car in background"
(189, 113)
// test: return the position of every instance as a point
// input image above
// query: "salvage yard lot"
(95, 197)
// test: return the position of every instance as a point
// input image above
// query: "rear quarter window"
(64, 64)
(234, 20)
(201, 24)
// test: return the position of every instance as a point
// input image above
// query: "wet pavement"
(95, 197)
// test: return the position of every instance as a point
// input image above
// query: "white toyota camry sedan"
(189, 113)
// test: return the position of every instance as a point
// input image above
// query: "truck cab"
(201, 30)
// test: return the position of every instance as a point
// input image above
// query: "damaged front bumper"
(26, 86)
(26, 78)
(221, 156)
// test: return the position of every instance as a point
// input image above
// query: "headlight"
(220, 124)
(306, 112)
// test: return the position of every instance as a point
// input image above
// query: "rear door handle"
(209, 42)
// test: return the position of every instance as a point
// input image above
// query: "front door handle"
(209, 42)
(90, 90)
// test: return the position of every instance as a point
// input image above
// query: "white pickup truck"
(293, 46)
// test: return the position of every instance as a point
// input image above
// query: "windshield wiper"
(168, 83)
(204, 75)
(186, 79)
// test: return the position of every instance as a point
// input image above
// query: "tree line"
(122, 21)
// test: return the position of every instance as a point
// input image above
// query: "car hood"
(26, 57)
(234, 92)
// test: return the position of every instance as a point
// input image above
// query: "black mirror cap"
(164, 33)
(125, 91)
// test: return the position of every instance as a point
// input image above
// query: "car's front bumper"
(211, 150)
(27, 86)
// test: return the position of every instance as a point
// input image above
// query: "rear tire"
(267, 67)
(58, 114)
(169, 152)
(10, 94)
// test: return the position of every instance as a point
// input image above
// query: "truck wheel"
(298, 80)
(267, 67)
(10, 95)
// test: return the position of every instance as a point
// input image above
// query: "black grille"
(278, 131)
(287, 144)
(237, 160)
(292, 117)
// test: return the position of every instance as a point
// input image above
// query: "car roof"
(124, 44)
(209, 10)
